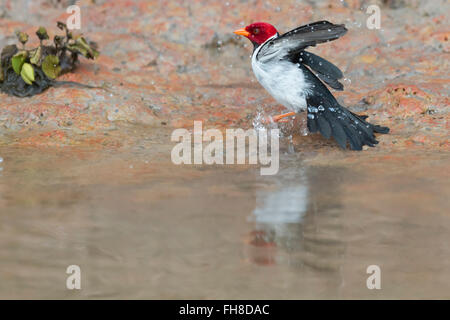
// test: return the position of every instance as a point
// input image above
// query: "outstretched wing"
(296, 40)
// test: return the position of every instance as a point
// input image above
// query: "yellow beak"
(242, 32)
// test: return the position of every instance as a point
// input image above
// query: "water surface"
(141, 227)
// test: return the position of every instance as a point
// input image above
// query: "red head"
(258, 32)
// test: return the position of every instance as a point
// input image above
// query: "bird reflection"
(299, 223)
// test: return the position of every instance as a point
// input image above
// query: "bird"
(298, 80)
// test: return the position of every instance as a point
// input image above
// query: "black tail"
(343, 125)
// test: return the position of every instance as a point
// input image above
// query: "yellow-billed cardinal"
(282, 67)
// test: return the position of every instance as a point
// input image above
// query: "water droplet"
(311, 116)
(262, 120)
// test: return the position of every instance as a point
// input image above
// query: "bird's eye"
(256, 31)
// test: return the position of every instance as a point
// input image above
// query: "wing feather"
(298, 39)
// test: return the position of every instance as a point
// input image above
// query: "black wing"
(325, 70)
(298, 39)
(327, 116)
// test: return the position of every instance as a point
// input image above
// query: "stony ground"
(166, 63)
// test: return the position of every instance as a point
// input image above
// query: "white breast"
(282, 79)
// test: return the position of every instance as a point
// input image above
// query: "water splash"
(263, 121)
(295, 124)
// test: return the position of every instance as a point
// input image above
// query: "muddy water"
(140, 227)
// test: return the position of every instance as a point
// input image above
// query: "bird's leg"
(277, 118)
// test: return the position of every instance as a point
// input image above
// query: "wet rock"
(394, 4)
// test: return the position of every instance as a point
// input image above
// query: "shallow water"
(141, 227)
